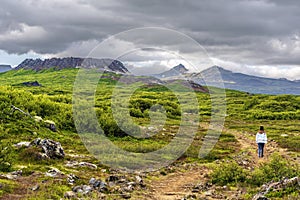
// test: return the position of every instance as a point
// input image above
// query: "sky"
(257, 37)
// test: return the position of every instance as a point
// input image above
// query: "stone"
(51, 125)
(77, 189)
(86, 189)
(38, 118)
(18, 172)
(51, 148)
(112, 178)
(208, 193)
(53, 172)
(89, 165)
(70, 195)
(72, 178)
(92, 181)
(103, 187)
(8, 176)
(22, 144)
(126, 195)
(275, 186)
(32, 84)
(35, 188)
(139, 180)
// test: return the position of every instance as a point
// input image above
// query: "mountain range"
(208, 77)
(72, 62)
(248, 83)
(5, 68)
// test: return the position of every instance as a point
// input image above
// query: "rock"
(38, 118)
(112, 178)
(32, 84)
(103, 187)
(51, 148)
(208, 193)
(35, 188)
(139, 180)
(51, 125)
(86, 189)
(71, 179)
(126, 195)
(92, 181)
(53, 173)
(8, 176)
(18, 172)
(83, 189)
(70, 195)
(128, 188)
(22, 144)
(89, 165)
(12, 175)
(275, 186)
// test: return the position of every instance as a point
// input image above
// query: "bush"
(228, 173)
(275, 170)
(5, 158)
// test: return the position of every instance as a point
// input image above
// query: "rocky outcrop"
(275, 186)
(51, 148)
(122, 185)
(72, 62)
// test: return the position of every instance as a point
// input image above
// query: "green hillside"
(280, 114)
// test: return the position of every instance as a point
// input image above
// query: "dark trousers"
(261, 150)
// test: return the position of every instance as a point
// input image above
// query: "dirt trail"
(178, 184)
(247, 142)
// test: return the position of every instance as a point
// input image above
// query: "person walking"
(261, 140)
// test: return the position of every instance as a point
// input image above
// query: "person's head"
(261, 129)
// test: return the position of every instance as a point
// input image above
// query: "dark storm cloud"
(251, 31)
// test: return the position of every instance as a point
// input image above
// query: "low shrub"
(228, 173)
(275, 170)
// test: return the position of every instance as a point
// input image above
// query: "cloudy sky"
(250, 36)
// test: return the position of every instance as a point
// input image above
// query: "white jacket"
(261, 138)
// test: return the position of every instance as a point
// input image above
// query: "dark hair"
(261, 128)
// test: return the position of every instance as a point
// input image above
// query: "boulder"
(51, 148)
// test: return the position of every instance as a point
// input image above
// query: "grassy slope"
(279, 114)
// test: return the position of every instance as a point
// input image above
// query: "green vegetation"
(277, 169)
(53, 101)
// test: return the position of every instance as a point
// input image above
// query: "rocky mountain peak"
(73, 62)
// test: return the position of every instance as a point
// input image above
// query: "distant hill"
(72, 62)
(5, 68)
(178, 70)
(247, 83)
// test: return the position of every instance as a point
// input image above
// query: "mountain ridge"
(5, 68)
(178, 70)
(73, 62)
